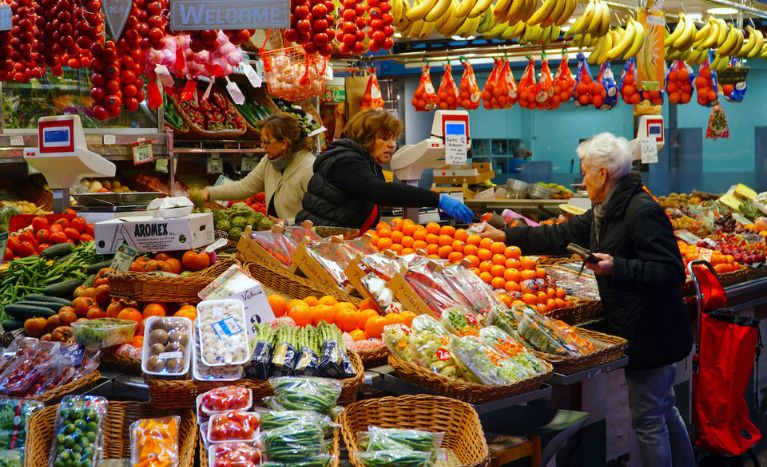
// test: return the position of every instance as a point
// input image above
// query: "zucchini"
(11, 324)
(58, 250)
(55, 307)
(96, 267)
(63, 289)
(89, 281)
(23, 312)
(38, 297)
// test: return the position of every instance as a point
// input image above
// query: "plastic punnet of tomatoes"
(424, 98)
(447, 95)
(628, 83)
(679, 81)
(372, 98)
(607, 96)
(564, 82)
(706, 85)
(544, 90)
(469, 93)
(527, 88)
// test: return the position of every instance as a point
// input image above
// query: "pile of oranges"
(721, 262)
(503, 267)
(361, 322)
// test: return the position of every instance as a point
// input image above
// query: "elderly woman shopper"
(348, 186)
(283, 174)
(640, 274)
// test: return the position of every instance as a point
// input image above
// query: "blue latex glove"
(455, 209)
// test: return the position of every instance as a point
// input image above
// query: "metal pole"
(171, 160)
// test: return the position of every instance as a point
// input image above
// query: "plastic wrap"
(14, 414)
(372, 98)
(585, 87)
(527, 86)
(564, 84)
(333, 258)
(679, 81)
(320, 460)
(234, 425)
(234, 455)
(397, 340)
(544, 89)
(154, 441)
(466, 284)
(627, 86)
(460, 321)
(376, 287)
(223, 332)
(429, 347)
(383, 439)
(260, 364)
(304, 393)
(273, 419)
(400, 458)
(610, 96)
(734, 92)
(494, 337)
(276, 244)
(167, 346)
(226, 398)
(486, 364)
(77, 433)
(294, 442)
(203, 372)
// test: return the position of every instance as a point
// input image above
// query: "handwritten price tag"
(17, 141)
(142, 152)
(649, 150)
(248, 164)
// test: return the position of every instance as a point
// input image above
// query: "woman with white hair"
(640, 273)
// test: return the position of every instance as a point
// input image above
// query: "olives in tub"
(77, 434)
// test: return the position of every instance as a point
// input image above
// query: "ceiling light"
(722, 11)
(396, 34)
(694, 16)
(572, 20)
(565, 28)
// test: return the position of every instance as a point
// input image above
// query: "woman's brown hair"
(367, 125)
(286, 127)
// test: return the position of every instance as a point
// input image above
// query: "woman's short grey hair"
(608, 151)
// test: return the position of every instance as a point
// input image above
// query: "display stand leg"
(60, 200)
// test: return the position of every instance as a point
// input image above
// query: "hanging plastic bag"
(564, 83)
(706, 85)
(500, 90)
(424, 98)
(372, 98)
(679, 81)
(606, 97)
(469, 93)
(585, 86)
(510, 83)
(544, 90)
(735, 92)
(489, 96)
(447, 95)
(717, 124)
(628, 83)
(526, 88)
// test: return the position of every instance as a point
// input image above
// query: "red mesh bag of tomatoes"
(489, 95)
(544, 90)
(679, 83)
(507, 77)
(424, 97)
(500, 89)
(469, 93)
(628, 83)
(706, 85)
(372, 98)
(584, 83)
(447, 95)
(564, 82)
(527, 89)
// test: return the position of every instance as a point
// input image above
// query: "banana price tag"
(142, 152)
(248, 164)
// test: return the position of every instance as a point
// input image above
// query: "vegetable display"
(216, 114)
(304, 393)
(77, 433)
(14, 414)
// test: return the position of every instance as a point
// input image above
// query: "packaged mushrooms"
(167, 346)
(223, 332)
(203, 372)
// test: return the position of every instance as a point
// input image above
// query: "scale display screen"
(57, 137)
(455, 128)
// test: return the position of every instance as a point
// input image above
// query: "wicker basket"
(458, 420)
(374, 358)
(80, 384)
(582, 311)
(290, 284)
(116, 432)
(336, 450)
(735, 277)
(169, 394)
(609, 348)
(112, 361)
(146, 287)
(195, 132)
(474, 393)
(756, 273)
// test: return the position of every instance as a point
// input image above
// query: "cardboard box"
(147, 234)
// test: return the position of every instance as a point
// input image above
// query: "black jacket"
(642, 299)
(347, 184)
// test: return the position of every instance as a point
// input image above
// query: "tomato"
(35, 327)
(95, 312)
(42, 247)
(72, 234)
(82, 304)
(64, 223)
(13, 243)
(78, 223)
(102, 294)
(8, 255)
(27, 236)
(194, 261)
(89, 229)
(58, 237)
(26, 249)
(70, 213)
(43, 236)
(86, 238)
(39, 223)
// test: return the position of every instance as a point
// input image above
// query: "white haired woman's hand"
(492, 233)
(605, 265)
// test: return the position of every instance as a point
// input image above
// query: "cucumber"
(63, 289)
(96, 267)
(11, 324)
(38, 297)
(23, 312)
(89, 281)
(55, 307)
(60, 249)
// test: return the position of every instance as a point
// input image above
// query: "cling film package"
(429, 347)
(447, 95)
(397, 340)
(276, 244)
(487, 364)
(14, 414)
(473, 291)
(307, 363)
(260, 364)
(294, 442)
(397, 457)
(734, 92)
(504, 343)
(321, 460)
(274, 419)
(468, 89)
(460, 321)
(627, 86)
(77, 433)
(383, 439)
(526, 90)
(334, 362)
(372, 98)
(304, 393)
(377, 288)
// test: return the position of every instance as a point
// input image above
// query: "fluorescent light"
(722, 11)
(397, 34)
(572, 19)
(565, 28)
(694, 16)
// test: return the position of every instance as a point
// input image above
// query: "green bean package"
(304, 393)
(322, 460)
(294, 442)
(274, 419)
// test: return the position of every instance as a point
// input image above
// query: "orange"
(470, 249)
(560, 302)
(432, 249)
(384, 243)
(154, 309)
(457, 246)
(433, 256)
(498, 283)
(461, 235)
(561, 293)
(374, 326)
(131, 314)
(485, 266)
(528, 263)
(374, 239)
(346, 319)
(497, 247)
(542, 297)
(137, 341)
(512, 263)
(382, 225)
(396, 223)
(455, 257)
(420, 233)
(363, 317)
(447, 230)
(408, 317)
(541, 308)
(407, 242)
(540, 273)
(505, 299)
(497, 270)
(358, 335)
(511, 286)
(432, 239)
(474, 240)
(475, 271)
(433, 228)
(551, 304)
(397, 236)
(512, 252)
(312, 301)
(328, 300)
(302, 315)
(397, 248)
(527, 274)
(499, 259)
(368, 304)
(384, 233)
(409, 227)
(419, 245)
(485, 243)
(530, 299)
(484, 254)
(324, 313)
(512, 275)
(473, 260)
(347, 305)
(407, 251)
(445, 240)
(444, 251)
(187, 311)
(486, 277)
(518, 303)
(293, 302)
(394, 318)
(551, 292)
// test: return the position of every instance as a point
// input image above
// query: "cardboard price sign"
(142, 152)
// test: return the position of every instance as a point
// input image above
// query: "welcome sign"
(198, 15)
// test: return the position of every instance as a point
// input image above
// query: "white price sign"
(215, 165)
(142, 152)
(649, 150)
(253, 77)
(109, 140)
(248, 164)
(17, 141)
(6, 23)
(455, 149)
(161, 165)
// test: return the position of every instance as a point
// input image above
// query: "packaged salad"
(486, 364)
(77, 433)
(428, 346)
(460, 321)
(397, 340)
(494, 337)
(154, 441)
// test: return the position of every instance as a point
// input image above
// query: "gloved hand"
(455, 209)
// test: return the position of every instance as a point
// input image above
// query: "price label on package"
(215, 165)
(123, 258)
(142, 152)
(649, 150)
(248, 163)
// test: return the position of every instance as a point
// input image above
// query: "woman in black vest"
(348, 186)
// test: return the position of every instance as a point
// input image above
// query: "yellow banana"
(623, 44)
(465, 7)
(501, 10)
(567, 12)
(513, 32)
(426, 29)
(542, 13)
(580, 25)
(468, 28)
(639, 36)
(479, 8)
(677, 33)
(439, 9)
(686, 40)
(420, 10)
(759, 43)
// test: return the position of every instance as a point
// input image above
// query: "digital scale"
(409, 162)
(63, 157)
